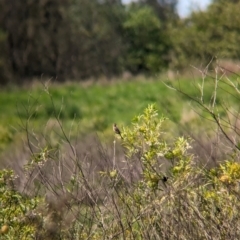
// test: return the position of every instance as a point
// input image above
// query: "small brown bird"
(116, 130)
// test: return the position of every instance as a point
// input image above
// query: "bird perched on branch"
(116, 130)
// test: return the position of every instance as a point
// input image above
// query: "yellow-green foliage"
(18, 216)
(188, 199)
(147, 137)
(172, 197)
(230, 172)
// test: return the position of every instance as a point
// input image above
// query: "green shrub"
(174, 197)
(158, 191)
(18, 213)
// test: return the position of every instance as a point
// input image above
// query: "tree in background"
(146, 40)
(165, 9)
(96, 44)
(63, 39)
(33, 35)
(5, 69)
(204, 35)
(80, 39)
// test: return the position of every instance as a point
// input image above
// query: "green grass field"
(87, 108)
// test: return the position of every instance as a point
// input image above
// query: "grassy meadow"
(85, 108)
(92, 107)
(74, 179)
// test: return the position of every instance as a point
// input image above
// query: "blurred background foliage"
(56, 138)
(207, 34)
(81, 39)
